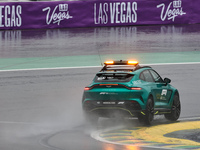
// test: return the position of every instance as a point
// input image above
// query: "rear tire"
(149, 115)
(175, 110)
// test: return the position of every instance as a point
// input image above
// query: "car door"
(160, 90)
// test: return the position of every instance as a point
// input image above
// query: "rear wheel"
(148, 118)
(175, 110)
(149, 113)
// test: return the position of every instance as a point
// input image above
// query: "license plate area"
(109, 103)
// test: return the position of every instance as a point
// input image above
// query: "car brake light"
(136, 88)
(86, 88)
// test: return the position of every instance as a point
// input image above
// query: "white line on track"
(57, 68)
(188, 119)
(15, 122)
(84, 67)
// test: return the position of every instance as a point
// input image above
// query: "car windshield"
(113, 77)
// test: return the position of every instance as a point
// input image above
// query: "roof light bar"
(132, 62)
(121, 62)
(110, 62)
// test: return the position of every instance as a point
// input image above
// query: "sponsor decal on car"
(106, 93)
(137, 82)
(163, 94)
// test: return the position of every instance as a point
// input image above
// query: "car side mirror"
(167, 80)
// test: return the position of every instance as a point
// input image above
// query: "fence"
(69, 14)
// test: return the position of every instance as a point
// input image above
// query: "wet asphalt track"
(42, 109)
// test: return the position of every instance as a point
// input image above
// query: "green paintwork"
(102, 95)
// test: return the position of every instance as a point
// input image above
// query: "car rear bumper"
(112, 109)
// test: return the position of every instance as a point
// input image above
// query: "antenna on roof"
(100, 57)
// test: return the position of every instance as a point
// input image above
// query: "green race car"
(126, 89)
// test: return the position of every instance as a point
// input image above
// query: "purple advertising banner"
(65, 14)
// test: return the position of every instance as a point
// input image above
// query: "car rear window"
(113, 77)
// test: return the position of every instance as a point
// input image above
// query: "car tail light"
(86, 88)
(136, 88)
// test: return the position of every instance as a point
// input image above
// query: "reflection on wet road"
(94, 41)
(24, 49)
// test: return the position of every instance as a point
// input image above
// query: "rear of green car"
(123, 92)
(113, 95)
